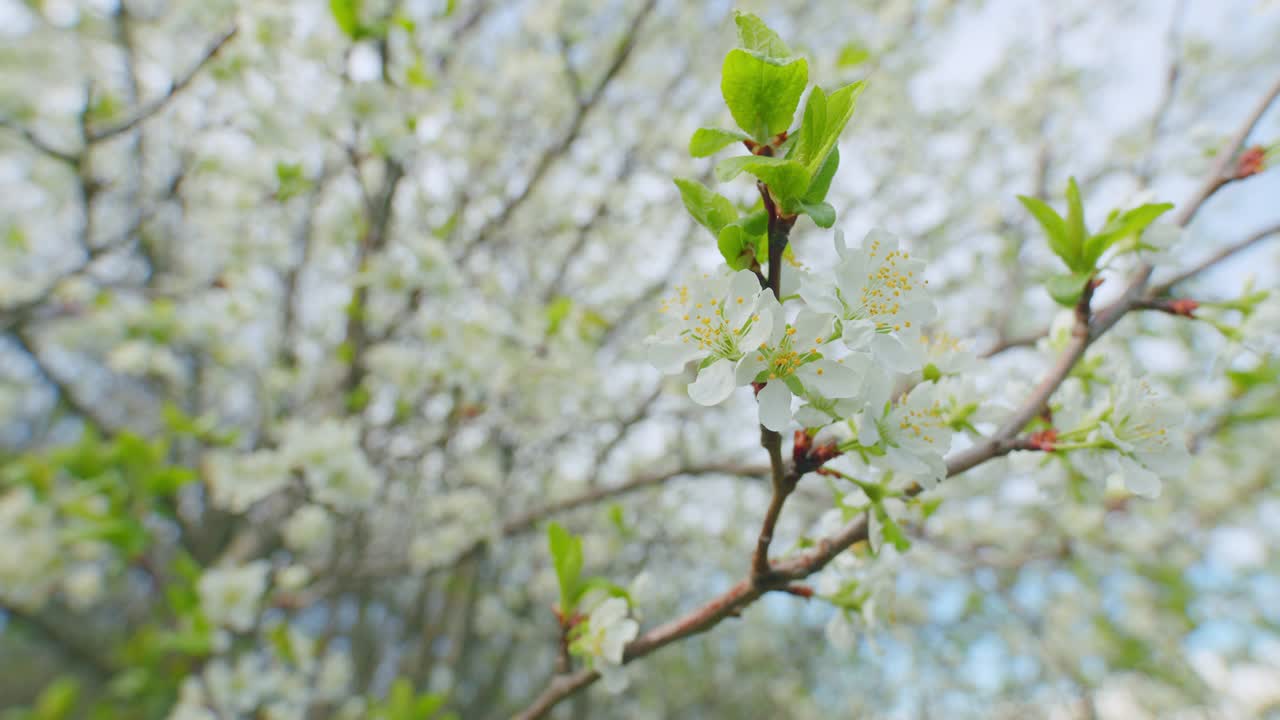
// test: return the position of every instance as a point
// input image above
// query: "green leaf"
(617, 518)
(852, 54)
(762, 95)
(610, 588)
(428, 705)
(280, 640)
(756, 222)
(346, 13)
(822, 214)
(290, 181)
(890, 531)
(16, 239)
(566, 555)
(825, 118)
(712, 210)
(557, 310)
(757, 38)
(787, 179)
(1066, 289)
(358, 399)
(821, 182)
(737, 247)
(709, 141)
(1128, 225)
(1055, 228)
(1076, 231)
(57, 700)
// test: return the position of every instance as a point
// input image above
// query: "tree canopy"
(412, 359)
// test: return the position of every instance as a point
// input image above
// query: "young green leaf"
(762, 95)
(1055, 228)
(821, 182)
(566, 556)
(787, 179)
(737, 247)
(1128, 225)
(346, 13)
(852, 55)
(712, 210)
(822, 214)
(557, 310)
(1066, 289)
(709, 141)
(757, 38)
(1076, 231)
(890, 531)
(825, 118)
(609, 588)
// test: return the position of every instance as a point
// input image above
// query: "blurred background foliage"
(312, 314)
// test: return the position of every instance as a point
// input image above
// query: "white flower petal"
(1139, 480)
(831, 379)
(613, 677)
(775, 405)
(670, 356)
(749, 366)
(894, 354)
(714, 383)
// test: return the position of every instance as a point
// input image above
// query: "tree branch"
(1225, 253)
(1005, 440)
(735, 599)
(1218, 175)
(94, 136)
(548, 157)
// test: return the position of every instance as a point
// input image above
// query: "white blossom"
(719, 321)
(795, 360)
(879, 298)
(609, 629)
(230, 596)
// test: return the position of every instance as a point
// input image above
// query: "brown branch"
(1220, 175)
(147, 111)
(735, 599)
(39, 144)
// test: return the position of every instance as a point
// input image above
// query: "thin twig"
(159, 103)
(560, 147)
(1214, 259)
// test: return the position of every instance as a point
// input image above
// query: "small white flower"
(230, 596)
(878, 297)
(1137, 435)
(308, 529)
(333, 679)
(191, 702)
(909, 437)
(293, 577)
(796, 360)
(719, 321)
(238, 481)
(83, 586)
(609, 629)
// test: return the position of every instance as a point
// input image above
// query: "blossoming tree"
(359, 361)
